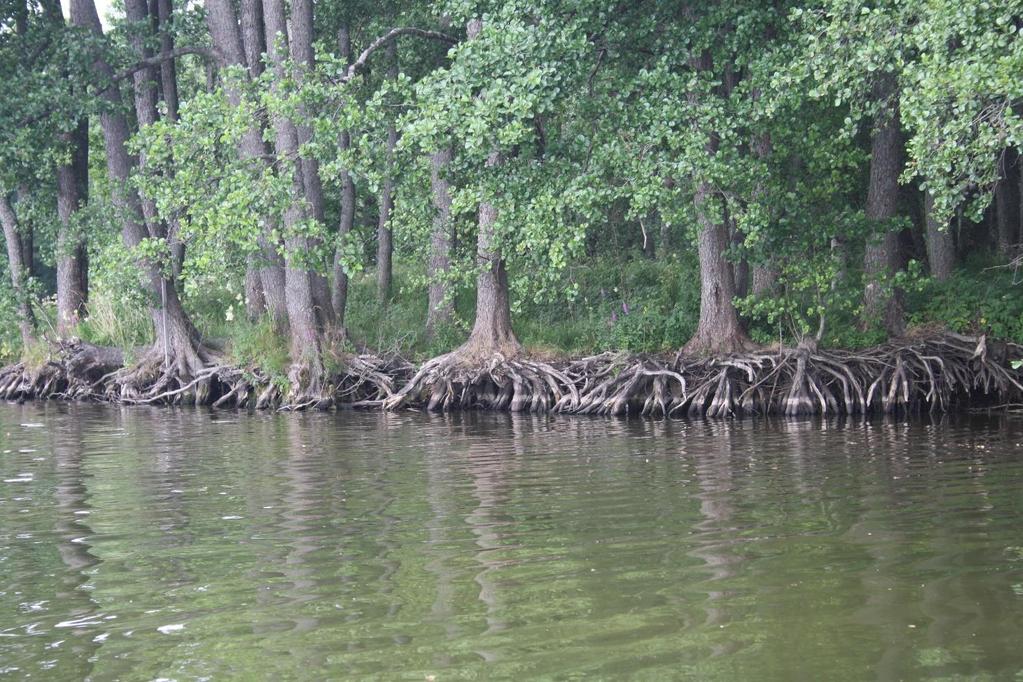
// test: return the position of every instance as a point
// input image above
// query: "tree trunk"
(71, 261)
(254, 45)
(146, 86)
(941, 250)
(307, 365)
(719, 329)
(168, 70)
(764, 281)
(441, 307)
(302, 54)
(339, 294)
(1007, 206)
(255, 301)
(16, 264)
(385, 246)
(223, 25)
(27, 234)
(764, 274)
(882, 259)
(741, 269)
(162, 11)
(492, 330)
(174, 331)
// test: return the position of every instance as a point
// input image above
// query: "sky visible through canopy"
(102, 6)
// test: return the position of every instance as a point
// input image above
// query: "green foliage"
(113, 319)
(257, 345)
(974, 301)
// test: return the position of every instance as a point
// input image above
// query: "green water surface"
(163, 544)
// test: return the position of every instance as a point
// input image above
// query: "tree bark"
(168, 70)
(223, 25)
(307, 365)
(162, 11)
(882, 259)
(339, 294)
(27, 234)
(302, 54)
(174, 331)
(492, 329)
(441, 307)
(1007, 206)
(719, 329)
(385, 245)
(764, 274)
(16, 264)
(71, 258)
(941, 250)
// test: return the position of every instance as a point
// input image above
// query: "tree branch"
(159, 59)
(360, 63)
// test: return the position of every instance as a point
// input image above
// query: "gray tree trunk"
(224, 30)
(339, 294)
(385, 244)
(174, 331)
(764, 275)
(163, 11)
(71, 258)
(307, 365)
(941, 249)
(16, 264)
(719, 329)
(441, 307)
(492, 329)
(302, 54)
(882, 259)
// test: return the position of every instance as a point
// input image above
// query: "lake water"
(145, 544)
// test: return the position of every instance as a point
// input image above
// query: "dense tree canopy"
(213, 180)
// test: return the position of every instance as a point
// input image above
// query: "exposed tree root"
(931, 374)
(79, 371)
(460, 380)
(71, 373)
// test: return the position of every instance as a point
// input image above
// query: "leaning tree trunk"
(227, 39)
(385, 244)
(16, 264)
(882, 259)
(302, 54)
(307, 372)
(175, 342)
(339, 293)
(71, 258)
(719, 329)
(441, 307)
(941, 249)
(1007, 205)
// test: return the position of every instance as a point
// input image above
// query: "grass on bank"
(636, 305)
